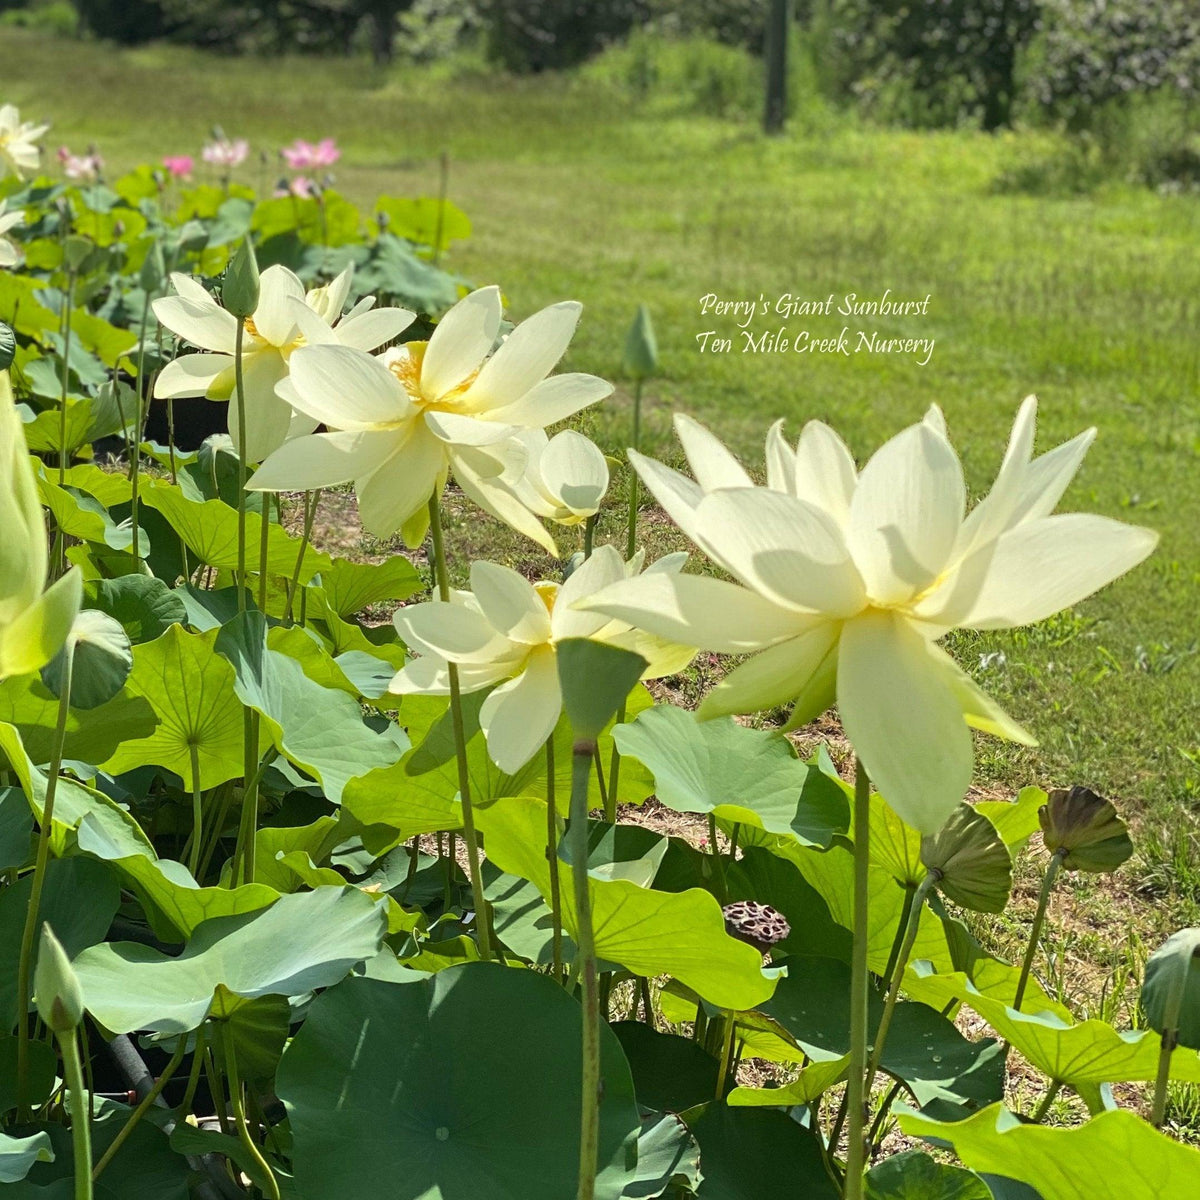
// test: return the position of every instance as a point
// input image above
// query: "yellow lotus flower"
(10, 252)
(19, 151)
(565, 476)
(846, 581)
(33, 623)
(504, 632)
(286, 318)
(405, 420)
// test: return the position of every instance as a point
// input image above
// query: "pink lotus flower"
(301, 187)
(179, 166)
(82, 168)
(307, 156)
(223, 152)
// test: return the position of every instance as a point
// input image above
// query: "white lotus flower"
(565, 477)
(10, 252)
(505, 632)
(286, 319)
(847, 581)
(403, 421)
(19, 151)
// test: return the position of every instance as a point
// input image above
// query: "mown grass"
(579, 188)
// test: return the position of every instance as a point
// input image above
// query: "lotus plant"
(19, 150)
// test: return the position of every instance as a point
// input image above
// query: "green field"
(578, 188)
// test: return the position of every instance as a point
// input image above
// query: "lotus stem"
(45, 826)
(143, 1107)
(66, 375)
(726, 1052)
(193, 1080)
(631, 533)
(81, 1125)
(856, 1093)
(470, 838)
(910, 890)
(311, 500)
(912, 924)
(1162, 1078)
(239, 1114)
(264, 548)
(552, 859)
(614, 774)
(240, 388)
(138, 425)
(589, 536)
(1035, 931)
(197, 811)
(1047, 1100)
(589, 1141)
(718, 860)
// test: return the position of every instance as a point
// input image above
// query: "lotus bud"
(1171, 989)
(56, 986)
(240, 289)
(1084, 830)
(758, 925)
(641, 346)
(972, 864)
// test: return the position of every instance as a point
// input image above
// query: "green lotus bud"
(56, 987)
(1171, 989)
(240, 288)
(1083, 829)
(641, 346)
(154, 270)
(972, 863)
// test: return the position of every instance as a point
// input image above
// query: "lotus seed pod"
(240, 288)
(758, 925)
(56, 986)
(1171, 989)
(973, 864)
(641, 346)
(1084, 830)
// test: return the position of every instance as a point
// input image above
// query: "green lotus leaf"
(350, 587)
(755, 1154)
(973, 866)
(651, 933)
(102, 656)
(818, 1077)
(737, 774)
(210, 530)
(302, 942)
(43, 1072)
(1016, 821)
(1171, 988)
(595, 679)
(381, 1064)
(44, 433)
(914, 1175)
(144, 605)
(666, 1154)
(1085, 829)
(16, 829)
(1115, 1156)
(1090, 1052)
(18, 1154)
(191, 689)
(83, 516)
(318, 729)
(670, 1073)
(895, 845)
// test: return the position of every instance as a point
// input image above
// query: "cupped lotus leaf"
(670, 1073)
(81, 515)
(895, 844)
(110, 488)
(736, 774)
(92, 735)
(1090, 1052)
(191, 689)
(1115, 1156)
(80, 899)
(1171, 988)
(209, 528)
(350, 587)
(272, 841)
(18, 1154)
(381, 1066)
(816, 1078)
(102, 660)
(44, 431)
(914, 1175)
(144, 605)
(302, 942)
(972, 865)
(651, 933)
(595, 679)
(426, 220)
(756, 1154)
(1085, 830)
(666, 1153)
(318, 729)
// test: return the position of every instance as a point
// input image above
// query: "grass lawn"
(577, 190)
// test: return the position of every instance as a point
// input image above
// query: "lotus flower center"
(405, 363)
(548, 591)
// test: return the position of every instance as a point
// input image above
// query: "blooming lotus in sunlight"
(402, 422)
(10, 252)
(503, 634)
(34, 622)
(19, 150)
(846, 581)
(226, 152)
(179, 166)
(80, 168)
(309, 156)
(286, 318)
(565, 476)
